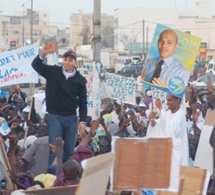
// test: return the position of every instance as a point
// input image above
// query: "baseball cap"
(71, 54)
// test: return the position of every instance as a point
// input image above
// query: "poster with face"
(170, 60)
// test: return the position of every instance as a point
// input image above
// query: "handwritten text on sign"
(15, 65)
(121, 88)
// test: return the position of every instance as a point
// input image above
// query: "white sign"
(103, 91)
(204, 153)
(93, 92)
(15, 66)
(121, 88)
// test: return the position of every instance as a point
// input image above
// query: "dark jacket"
(63, 96)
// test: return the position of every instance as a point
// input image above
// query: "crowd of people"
(29, 159)
(48, 151)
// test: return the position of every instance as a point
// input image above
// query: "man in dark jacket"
(65, 92)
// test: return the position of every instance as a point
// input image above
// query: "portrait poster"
(178, 50)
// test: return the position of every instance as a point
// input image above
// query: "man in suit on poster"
(158, 70)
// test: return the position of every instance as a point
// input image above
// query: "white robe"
(172, 125)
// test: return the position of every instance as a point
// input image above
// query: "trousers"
(66, 128)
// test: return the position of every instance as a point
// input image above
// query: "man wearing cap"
(65, 92)
(142, 116)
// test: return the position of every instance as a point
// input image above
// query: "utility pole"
(147, 40)
(23, 26)
(143, 46)
(31, 21)
(32, 85)
(97, 31)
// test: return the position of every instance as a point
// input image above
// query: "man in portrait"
(158, 70)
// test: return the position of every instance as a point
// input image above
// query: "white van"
(211, 66)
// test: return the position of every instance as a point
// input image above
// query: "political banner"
(15, 66)
(170, 60)
(121, 88)
(93, 91)
(103, 91)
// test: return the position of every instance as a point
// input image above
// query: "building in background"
(4, 32)
(82, 30)
(20, 27)
(130, 30)
(200, 23)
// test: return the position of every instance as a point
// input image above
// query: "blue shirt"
(171, 67)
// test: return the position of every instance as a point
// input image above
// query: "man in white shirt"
(171, 123)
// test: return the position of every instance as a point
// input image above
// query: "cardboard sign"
(64, 190)
(209, 119)
(143, 163)
(95, 175)
(94, 178)
(193, 181)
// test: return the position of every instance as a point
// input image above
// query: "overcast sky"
(61, 10)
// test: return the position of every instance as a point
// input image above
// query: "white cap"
(149, 93)
(142, 104)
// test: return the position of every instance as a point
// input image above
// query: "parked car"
(132, 70)
(211, 66)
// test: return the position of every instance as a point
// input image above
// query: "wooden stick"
(29, 117)
(121, 108)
